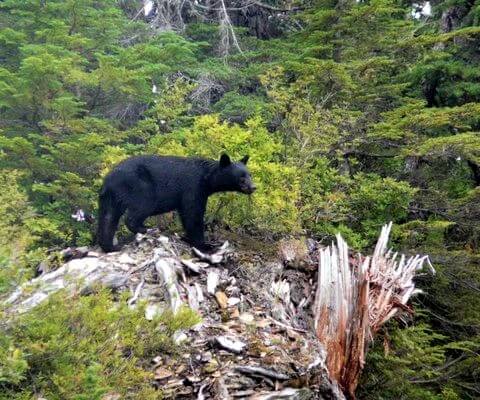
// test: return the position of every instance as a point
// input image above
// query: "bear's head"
(232, 176)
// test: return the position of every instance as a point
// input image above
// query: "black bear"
(150, 185)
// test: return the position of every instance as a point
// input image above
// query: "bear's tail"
(109, 214)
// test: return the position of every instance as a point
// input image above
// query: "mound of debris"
(256, 339)
(296, 325)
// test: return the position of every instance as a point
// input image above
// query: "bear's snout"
(249, 189)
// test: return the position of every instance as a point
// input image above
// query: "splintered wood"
(354, 298)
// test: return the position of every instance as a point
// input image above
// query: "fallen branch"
(137, 292)
(261, 372)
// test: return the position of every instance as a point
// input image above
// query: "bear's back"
(170, 174)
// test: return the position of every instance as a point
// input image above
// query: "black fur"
(150, 185)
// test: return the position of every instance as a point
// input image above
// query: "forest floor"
(255, 339)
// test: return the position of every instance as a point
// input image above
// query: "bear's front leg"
(135, 220)
(192, 214)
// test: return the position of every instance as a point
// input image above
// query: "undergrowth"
(83, 348)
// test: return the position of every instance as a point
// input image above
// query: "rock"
(152, 310)
(247, 318)
(233, 301)
(75, 252)
(82, 251)
(162, 373)
(179, 337)
(126, 259)
(163, 239)
(114, 281)
(222, 299)
(230, 343)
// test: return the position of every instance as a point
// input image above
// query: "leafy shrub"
(396, 368)
(234, 107)
(356, 207)
(83, 347)
(421, 234)
(375, 200)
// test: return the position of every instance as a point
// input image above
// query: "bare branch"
(227, 33)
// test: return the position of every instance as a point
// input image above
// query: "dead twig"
(137, 292)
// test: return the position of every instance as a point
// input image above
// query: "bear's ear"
(244, 160)
(224, 160)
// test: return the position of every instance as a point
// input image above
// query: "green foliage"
(376, 200)
(13, 365)
(358, 116)
(464, 145)
(416, 363)
(356, 207)
(411, 357)
(421, 234)
(237, 108)
(407, 123)
(92, 384)
(17, 239)
(82, 348)
(15, 213)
